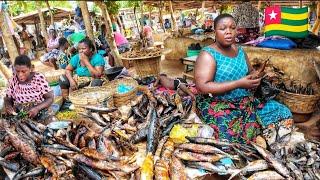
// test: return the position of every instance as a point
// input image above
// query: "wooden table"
(188, 66)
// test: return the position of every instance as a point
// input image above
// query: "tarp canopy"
(182, 5)
(33, 17)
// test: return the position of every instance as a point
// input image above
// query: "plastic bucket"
(56, 89)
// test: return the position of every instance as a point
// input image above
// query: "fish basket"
(125, 98)
(53, 76)
(147, 65)
(90, 96)
(299, 103)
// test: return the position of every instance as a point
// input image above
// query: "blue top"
(230, 69)
(95, 60)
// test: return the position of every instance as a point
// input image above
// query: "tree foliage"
(19, 7)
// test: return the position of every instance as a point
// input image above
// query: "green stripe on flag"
(294, 22)
(289, 34)
(294, 10)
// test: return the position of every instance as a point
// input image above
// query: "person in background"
(84, 68)
(62, 58)
(28, 91)
(122, 44)
(52, 49)
(24, 35)
(167, 24)
(147, 33)
(182, 19)
(102, 38)
(226, 80)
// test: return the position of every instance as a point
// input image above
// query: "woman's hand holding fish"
(33, 112)
(248, 82)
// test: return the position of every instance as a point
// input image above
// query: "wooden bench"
(188, 63)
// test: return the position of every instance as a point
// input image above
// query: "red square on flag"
(272, 15)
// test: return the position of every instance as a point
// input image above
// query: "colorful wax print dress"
(237, 116)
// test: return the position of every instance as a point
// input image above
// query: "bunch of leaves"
(22, 114)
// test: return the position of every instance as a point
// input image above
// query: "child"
(62, 58)
(178, 84)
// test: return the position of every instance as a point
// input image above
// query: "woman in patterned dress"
(28, 91)
(224, 77)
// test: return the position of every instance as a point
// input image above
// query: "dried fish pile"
(145, 53)
(99, 145)
(252, 161)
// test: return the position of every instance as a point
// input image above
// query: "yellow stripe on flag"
(282, 27)
(294, 16)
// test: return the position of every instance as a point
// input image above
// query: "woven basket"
(90, 96)
(146, 66)
(53, 76)
(299, 103)
(122, 99)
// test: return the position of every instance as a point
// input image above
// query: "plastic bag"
(178, 133)
(205, 131)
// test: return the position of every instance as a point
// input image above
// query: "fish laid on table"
(11, 155)
(93, 153)
(161, 170)
(296, 171)
(201, 148)
(159, 148)
(190, 156)
(99, 109)
(13, 166)
(257, 165)
(178, 101)
(139, 136)
(38, 127)
(27, 149)
(5, 151)
(167, 150)
(35, 172)
(153, 134)
(160, 98)
(177, 169)
(168, 110)
(50, 165)
(207, 166)
(103, 165)
(57, 152)
(95, 117)
(278, 166)
(168, 128)
(160, 109)
(137, 112)
(35, 137)
(92, 143)
(263, 175)
(67, 144)
(209, 141)
(83, 171)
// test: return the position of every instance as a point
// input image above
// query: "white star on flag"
(273, 15)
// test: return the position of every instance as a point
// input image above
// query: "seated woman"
(122, 44)
(28, 91)
(62, 59)
(52, 49)
(85, 67)
(225, 78)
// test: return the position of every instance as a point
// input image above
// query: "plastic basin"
(113, 72)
